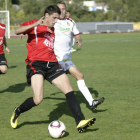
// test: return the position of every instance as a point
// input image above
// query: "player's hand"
(20, 36)
(40, 21)
(79, 43)
(7, 49)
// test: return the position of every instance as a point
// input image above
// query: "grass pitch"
(111, 67)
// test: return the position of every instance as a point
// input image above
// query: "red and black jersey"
(2, 35)
(40, 43)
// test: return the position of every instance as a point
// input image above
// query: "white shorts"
(66, 64)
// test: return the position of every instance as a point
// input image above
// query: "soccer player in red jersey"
(42, 65)
(3, 61)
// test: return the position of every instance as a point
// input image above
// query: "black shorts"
(3, 60)
(49, 70)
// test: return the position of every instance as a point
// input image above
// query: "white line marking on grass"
(17, 45)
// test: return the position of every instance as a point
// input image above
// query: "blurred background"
(91, 16)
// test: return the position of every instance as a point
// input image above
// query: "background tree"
(119, 10)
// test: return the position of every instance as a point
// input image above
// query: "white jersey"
(65, 30)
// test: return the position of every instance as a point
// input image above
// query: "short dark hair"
(52, 9)
(61, 2)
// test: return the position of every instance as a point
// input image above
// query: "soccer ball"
(56, 129)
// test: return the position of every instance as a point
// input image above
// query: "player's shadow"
(12, 67)
(62, 108)
(92, 91)
(81, 98)
(16, 88)
(38, 123)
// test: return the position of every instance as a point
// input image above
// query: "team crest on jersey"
(49, 29)
(68, 24)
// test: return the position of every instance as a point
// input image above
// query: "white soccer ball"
(56, 129)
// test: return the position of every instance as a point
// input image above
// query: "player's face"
(63, 10)
(50, 20)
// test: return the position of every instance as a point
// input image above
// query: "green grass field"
(111, 67)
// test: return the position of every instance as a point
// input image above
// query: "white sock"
(85, 91)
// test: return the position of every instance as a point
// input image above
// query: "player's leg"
(62, 82)
(3, 64)
(64, 85)
(57, 77)
(37, 82)
(68, 65)
(73, 70)
(81, 83)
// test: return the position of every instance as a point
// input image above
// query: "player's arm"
(77, 35)
(78, 40)
(6, 47)
(23, 29)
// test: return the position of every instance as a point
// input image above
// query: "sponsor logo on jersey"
(63, 29)
(49, 41)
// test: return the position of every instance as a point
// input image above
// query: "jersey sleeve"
(2, 29)
(28, 23)
(2, 25)
(75, 30)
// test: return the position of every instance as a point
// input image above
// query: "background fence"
(101, 27)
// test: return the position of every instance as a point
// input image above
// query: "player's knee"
(69, 89)
(38, 100)
(3, 70)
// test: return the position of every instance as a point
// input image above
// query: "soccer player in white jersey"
(65, 30)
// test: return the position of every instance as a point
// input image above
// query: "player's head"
(68, 14)
(51, 14)
(62, 7)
